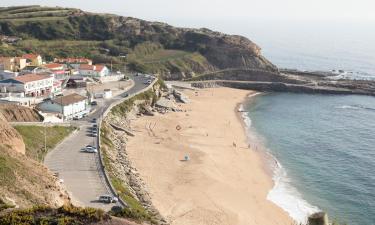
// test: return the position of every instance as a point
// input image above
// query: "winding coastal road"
(81, 172)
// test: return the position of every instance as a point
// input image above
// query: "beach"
(223, 181)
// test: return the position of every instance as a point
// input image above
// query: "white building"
(93, 70)
(70, 106)
(30, 84)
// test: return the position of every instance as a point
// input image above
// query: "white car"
(107, 199)
(90, 149)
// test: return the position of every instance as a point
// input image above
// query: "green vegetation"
(127, 105)
(65, 215)
(135, 210)
(65, 32)
(153, 58)
(33, 136)
(4, 205)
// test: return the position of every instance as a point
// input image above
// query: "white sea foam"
(288, 198)
(283, 193)
(355, 107)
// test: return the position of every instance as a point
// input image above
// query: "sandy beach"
(223, 182)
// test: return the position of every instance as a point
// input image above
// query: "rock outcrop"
(16, 113)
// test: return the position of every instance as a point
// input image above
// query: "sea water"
(324, 146)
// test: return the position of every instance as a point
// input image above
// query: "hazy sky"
(178, 11)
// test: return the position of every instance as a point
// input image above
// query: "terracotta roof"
(30, 77)
(74, 60)
(53, 65)
(30, 56)
(97, 68)
(69, 99)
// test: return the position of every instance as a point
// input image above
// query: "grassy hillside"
(33, 136)
(62, 32)
(24, 182)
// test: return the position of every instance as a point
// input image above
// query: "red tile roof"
(53, 65)
(74, 60)
(30, 77)
(97, 68)
(30, 56)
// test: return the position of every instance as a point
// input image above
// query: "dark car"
(94, 120)
(94, 103)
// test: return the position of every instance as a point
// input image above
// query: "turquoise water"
(325, 145)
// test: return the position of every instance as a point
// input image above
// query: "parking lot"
(80, 170)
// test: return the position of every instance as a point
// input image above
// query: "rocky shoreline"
(286, 81)
(124, 170)
(116, 129)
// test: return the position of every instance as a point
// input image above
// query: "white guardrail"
(105, 113)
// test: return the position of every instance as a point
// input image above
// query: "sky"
(178, 12)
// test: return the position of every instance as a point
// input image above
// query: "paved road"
(81, 173)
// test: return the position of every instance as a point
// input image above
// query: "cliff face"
(16, 113)
(221, 50)
(10, 137)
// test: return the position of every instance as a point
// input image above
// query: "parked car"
(126, 95)
(90, 149)
(94, 120)
(94, 103)
(107, 199)
(77, 117)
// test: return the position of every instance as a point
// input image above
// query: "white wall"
(69, 110)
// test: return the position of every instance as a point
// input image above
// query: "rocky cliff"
(16, 113)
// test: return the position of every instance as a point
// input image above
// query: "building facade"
(93, 70)
(32, 85)
(13, 64)
(33, 59)
(69, 106)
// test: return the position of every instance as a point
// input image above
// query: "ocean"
(321, 147)
(324, 147)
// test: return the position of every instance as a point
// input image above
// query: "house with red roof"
(93, 70)
(33, 59)
(30, 84)
(57, 69)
